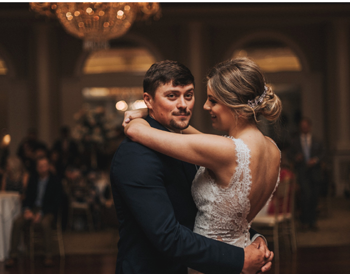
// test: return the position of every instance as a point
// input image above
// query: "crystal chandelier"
(97, 22)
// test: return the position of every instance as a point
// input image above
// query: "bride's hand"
(257, 257)
(254, 259)
(133, 114)
(131, 129)
(261, 244)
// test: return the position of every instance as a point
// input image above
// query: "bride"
(239, 171)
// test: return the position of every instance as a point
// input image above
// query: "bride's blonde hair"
(237, 82)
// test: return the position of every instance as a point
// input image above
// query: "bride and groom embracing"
(185, 202)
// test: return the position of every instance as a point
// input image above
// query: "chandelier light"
(98, 22)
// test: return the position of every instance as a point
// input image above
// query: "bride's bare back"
(264, 167)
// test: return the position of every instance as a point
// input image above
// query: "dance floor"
(308, 260)
(324, 251)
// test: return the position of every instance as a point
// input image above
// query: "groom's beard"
(183, 123)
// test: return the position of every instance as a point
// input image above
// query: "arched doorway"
(116, 96)
(3, 99)
(4, 136)
(15, 115)
(110, 82)
(275, 57)
(106, 77)
(286, 70)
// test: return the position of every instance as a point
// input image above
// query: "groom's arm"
(138, 176)
(254, 235)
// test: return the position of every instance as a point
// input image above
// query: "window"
(271, 56)
(135, 59)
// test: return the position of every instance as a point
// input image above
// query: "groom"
(152, 195)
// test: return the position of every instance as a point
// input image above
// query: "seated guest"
(41, 203)
(15, 177)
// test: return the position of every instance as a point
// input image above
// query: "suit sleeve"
(52, 200)
(29, 194)
(252, 233)
(137, 174)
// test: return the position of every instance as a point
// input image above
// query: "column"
(196, 65)
(43, 82)
(343, 72)
(341, 159)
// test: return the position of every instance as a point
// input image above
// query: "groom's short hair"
(164, 72)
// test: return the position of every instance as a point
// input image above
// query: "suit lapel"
(155, 124)
(190, 169)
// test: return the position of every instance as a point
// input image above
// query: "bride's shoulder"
(273, 153)
(261, 146)
(272, 145)
(254, 140)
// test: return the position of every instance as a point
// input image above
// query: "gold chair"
(281, 223)
(35, 237)
(76, 208)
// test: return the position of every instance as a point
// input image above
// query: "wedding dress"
(222, 212)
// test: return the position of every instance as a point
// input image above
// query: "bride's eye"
(212, 101)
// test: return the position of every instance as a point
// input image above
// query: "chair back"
(284, 199)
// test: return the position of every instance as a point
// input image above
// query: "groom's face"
(171, 106)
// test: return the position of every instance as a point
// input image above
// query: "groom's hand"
(261, 244)
(257, 258)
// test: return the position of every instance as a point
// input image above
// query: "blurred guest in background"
(103, 210)
(40, 207)
(81, 198)
(65, 149)
(15, 177)
(307, 154)
(29, 148)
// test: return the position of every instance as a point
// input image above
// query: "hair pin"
(259, 100)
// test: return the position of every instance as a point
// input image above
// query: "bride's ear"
(148, 100)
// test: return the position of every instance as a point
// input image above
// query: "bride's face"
(221, 115)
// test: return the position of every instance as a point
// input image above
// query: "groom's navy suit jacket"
(156, 213)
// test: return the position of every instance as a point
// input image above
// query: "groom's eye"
(189, 96)
(171, 96)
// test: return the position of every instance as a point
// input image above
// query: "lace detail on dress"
(222, 212)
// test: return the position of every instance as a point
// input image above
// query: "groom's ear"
(148, 100)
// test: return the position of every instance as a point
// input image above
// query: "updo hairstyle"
(235, 82)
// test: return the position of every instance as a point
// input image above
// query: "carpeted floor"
(334, 227)
(100, 242)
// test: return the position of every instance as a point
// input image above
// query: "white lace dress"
(222, 212)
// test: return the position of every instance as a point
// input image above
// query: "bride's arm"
(191, 130)
(142, 113)
(133, 114)
(212, 151)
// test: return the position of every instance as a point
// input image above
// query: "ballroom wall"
(43, 85)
